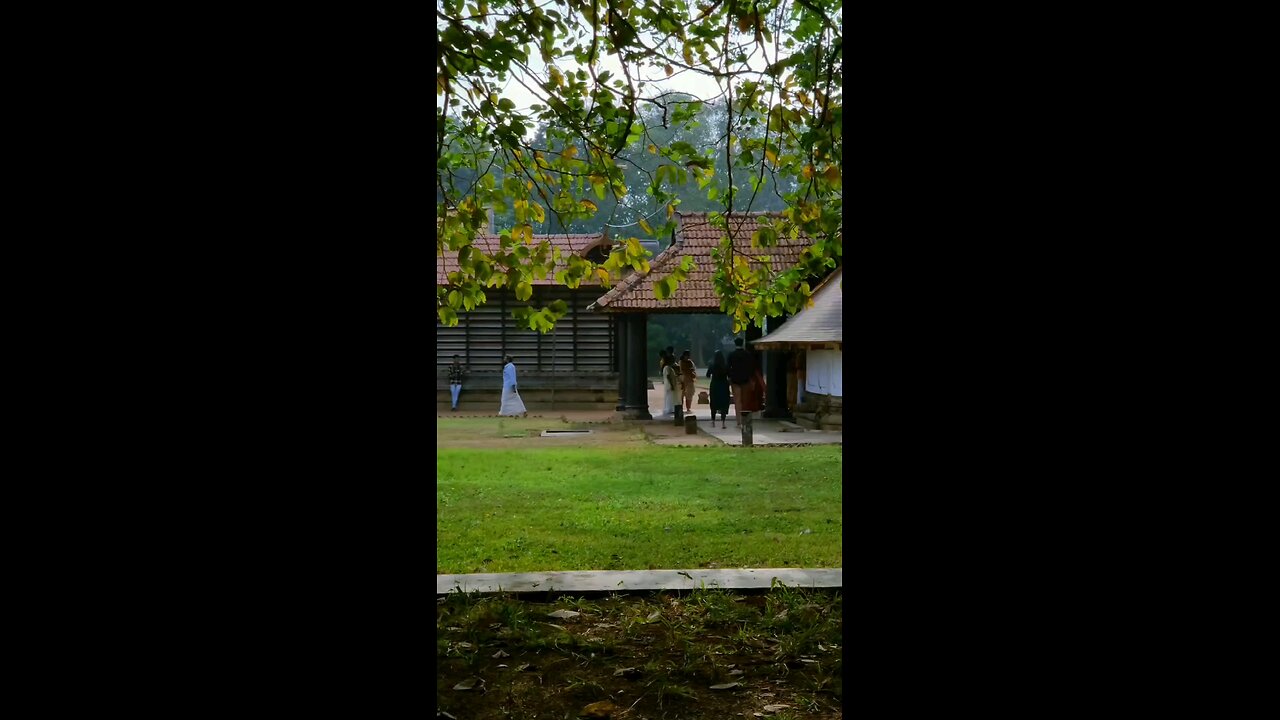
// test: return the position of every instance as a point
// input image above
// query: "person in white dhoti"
(511, 402)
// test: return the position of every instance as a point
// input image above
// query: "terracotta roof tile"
(696, 238)
(575, 244)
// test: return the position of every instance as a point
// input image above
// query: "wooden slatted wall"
(582, 340)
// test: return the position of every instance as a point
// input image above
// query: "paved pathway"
(620, 580)
(764, 430)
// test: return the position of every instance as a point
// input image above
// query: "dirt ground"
(518, 433)
(655, 657)
(512, 433)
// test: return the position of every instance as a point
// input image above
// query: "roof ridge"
(635, 277)
(827, 279)
(751, 213)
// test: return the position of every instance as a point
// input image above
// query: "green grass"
(631, 506)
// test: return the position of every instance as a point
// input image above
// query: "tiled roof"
(695, 238)
(575, 244)
(820, 323)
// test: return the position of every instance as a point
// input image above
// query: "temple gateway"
(595, 358)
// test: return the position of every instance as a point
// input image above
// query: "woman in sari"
(755, 392)
(511, 402)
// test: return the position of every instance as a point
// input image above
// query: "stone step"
(785, 426)
(807, 423)
(623, 580)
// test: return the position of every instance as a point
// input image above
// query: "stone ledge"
(633, 580)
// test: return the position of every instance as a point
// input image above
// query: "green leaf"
(661, 290)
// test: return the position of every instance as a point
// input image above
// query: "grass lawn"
(510, 502)
(705, 654)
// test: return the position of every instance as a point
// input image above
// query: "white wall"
(823, 372)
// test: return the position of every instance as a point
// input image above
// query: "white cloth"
(824, 373)
(511, 403)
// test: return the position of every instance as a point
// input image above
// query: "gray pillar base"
(636, 413)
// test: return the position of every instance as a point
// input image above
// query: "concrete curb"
(633, 580)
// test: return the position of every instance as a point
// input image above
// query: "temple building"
(814, 335)
(633, 299)
(596, 356)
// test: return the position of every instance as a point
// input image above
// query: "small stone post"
(746, 429)
(691, 425)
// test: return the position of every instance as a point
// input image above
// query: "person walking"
(719, 374)
(688, 374)
(511, 402)
(456, 371)
(742, 368)
(756, 392)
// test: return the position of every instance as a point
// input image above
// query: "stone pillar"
(636, 370)
(775, 379)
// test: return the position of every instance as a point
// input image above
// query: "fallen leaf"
(599, 710)
(467, 684)
(726, 686)
(653, 616)
(464, 645)
(733, 673)
(522, 667)
(564, 614)
(501, 654)
(775, 708)
(626, 671)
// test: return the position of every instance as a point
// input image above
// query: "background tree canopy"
(607, 143)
